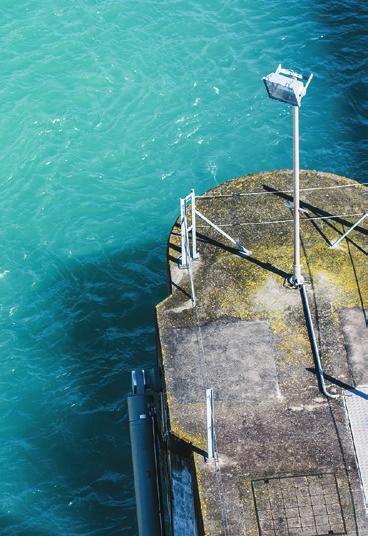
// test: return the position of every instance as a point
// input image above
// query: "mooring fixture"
(287, 86)
(144, 454)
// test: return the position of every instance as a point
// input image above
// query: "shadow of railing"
(265, 265)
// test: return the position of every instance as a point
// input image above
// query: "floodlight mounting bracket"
(293, 74)
(288, 72)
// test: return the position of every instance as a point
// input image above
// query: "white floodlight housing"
(286, 86)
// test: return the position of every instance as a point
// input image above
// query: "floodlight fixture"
(287, 86)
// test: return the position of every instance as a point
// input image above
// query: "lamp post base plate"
(295, 282)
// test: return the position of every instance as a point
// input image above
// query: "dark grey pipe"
(317, 358)
(141, 426)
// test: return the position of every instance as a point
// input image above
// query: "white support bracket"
(335, 243)
(186, 254)
(211, 446)
(228, 237)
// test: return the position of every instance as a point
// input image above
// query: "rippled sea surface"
(110, 110)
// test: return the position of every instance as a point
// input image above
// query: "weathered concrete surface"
(247, 359)
(354, 323)
(287, 464)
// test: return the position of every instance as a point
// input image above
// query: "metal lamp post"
(287, 86)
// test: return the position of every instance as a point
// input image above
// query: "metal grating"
(307, 505)
(357, 406)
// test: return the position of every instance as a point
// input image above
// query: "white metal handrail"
(189, 200)
(187, 253)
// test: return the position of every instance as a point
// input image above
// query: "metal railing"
(188, 201)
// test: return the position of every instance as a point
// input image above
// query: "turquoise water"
(110, 111)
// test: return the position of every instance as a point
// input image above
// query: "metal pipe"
(297, 278)
(144, 465)
(314, 344)
(228, 237)
(335, 243)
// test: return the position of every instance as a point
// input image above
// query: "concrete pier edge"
(282, 445)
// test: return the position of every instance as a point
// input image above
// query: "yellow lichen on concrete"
(185, 435)
(229, 288)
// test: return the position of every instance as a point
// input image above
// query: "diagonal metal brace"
(335, 243)
(228, 237)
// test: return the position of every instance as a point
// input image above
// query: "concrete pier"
(290, 460)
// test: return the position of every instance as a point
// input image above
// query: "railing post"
(183, 226)
(211, 447)
(189, 267)
(195, 254)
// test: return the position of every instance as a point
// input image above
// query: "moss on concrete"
(230, 286)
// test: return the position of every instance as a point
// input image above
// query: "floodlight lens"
(284, 89)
